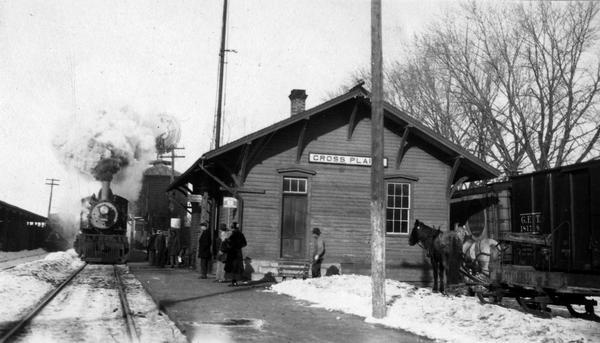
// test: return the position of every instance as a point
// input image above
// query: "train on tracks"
(551, 249)
(102, 236)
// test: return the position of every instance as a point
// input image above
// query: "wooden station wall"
(339, 195)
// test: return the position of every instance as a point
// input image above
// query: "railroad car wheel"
(531, 305)
(588, 314)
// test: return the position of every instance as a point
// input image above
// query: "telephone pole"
(172, 156)
(377, 185)
(51, 182)
(222, 52)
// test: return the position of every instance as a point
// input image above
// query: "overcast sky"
(64, 60)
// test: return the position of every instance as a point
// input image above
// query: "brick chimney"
(298, 100)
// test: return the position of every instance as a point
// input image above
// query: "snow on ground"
(12, 255)
(24, 285)
(89, 306)
(444, 318)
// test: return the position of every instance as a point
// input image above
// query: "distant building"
(21, 229)
(312, 170)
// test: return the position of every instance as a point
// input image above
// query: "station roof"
(17, 210)
(471, 165)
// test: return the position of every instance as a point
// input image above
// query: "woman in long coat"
(235, 260)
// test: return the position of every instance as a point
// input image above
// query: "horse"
(444, 250)
(477, 252)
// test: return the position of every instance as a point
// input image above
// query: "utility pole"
(222, 52)
(377, 185)
(51, 183)
(172, 156)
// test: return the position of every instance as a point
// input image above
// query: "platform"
(213, 312)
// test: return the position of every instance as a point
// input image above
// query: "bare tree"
(516, 84)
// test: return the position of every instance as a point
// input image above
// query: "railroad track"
(131, 331)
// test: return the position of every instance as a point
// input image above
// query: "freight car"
(103, 227)
(553, 246)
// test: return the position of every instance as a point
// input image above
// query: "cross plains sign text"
(342, 159)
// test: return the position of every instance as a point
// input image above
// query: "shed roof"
(473, 164)
(15, 209)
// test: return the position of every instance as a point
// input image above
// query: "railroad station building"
(312, 170)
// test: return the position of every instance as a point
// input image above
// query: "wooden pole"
(51, 182)
(377, 185)
(221, 69)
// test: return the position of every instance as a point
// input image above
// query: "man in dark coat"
(161, 249)
(204, 254)
(173, 247)
(151, 249)
(318, 252)
(235, 260)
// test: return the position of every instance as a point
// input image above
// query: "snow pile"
(25, 285)
(448, 318)
(13, 255)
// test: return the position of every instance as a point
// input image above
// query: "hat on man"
(316, 231)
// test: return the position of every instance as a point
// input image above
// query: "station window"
(397, 208)
(294, 185)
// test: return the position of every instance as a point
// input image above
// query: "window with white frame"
(294, 185)
(398, 207)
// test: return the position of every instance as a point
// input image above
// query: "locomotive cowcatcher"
(103, 228)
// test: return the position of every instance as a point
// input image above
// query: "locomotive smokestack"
(105, 191)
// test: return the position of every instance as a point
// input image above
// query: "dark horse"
(443, 248)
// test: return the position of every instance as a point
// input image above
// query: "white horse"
(477, 252)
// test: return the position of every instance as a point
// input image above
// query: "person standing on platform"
(161, 249)
(204, 243)
(318, 252)
(221, 254)
(174, 246)
(152, 249)
(235, 259)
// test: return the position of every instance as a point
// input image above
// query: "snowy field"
(87, 310)
(443, 318)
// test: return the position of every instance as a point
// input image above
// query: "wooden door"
(293, 226)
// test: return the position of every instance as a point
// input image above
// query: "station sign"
(195, 198)
(229, 202)
(349, 160)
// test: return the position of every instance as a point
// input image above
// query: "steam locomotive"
(103, 228)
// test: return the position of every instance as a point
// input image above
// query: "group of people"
(164, 247)
(229, 257)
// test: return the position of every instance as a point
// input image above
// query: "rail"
(45, 301)
(127, 314)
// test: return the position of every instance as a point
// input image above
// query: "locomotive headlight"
(103, 209)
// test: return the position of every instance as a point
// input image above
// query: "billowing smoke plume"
(113, 145)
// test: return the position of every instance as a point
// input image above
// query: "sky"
(63, 61)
